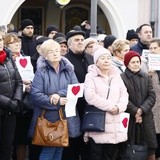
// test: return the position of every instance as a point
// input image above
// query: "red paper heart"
(23, 62)
(125, 122)
(75, 89)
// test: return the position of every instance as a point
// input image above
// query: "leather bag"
(93, 119)
(137, 151)
(51, 134)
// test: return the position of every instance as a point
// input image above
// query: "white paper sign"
(70, 107)
(124, 122)
(145, 53)
(154, 61)
(74, 92)
(25, 68)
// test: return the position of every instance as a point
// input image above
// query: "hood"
(95, 71)
(64, 64)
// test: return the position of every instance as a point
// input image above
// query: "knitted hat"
(108, 40)
(128, 56)
(24, 23)
(131, 34)
(51, 28)
(99, 51)
(74, 33)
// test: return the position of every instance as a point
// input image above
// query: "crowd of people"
(117, 79)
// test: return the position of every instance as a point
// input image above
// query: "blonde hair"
(10, 38)
(47, 46)
(118, 45)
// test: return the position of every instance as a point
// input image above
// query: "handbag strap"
(109, 85)
(137, 135)
(61, 114)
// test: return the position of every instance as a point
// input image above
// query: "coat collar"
(131, 74)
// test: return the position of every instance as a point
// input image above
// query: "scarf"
(3, 56)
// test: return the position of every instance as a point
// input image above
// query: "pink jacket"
(95, 92)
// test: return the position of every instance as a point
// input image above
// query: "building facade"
(115, 17)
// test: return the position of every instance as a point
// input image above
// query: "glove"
(14, 106)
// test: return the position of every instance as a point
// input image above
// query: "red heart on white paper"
(75, 90)
(23, 62)
(125, 122)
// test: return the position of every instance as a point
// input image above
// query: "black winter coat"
(11, 85)
(141, 94)
(139, 47)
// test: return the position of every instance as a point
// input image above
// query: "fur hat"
(128, 56)
(24, 23)
(89, 41)
(99, 51)
(131, 34)
(51, 28)
(74, 33)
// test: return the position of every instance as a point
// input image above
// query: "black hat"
(131, 34)
(60, 40)
(24, 23)
(74, 33)
(77, 28)
(41, 40)
(59, 34)
(51, 28)
(108, 40)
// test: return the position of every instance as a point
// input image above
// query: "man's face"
(145, 34)
(77, 44)
(28, 31)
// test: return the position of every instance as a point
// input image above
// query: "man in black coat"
(145, 35)
(29, 41)
(29, 49)
(81, 61)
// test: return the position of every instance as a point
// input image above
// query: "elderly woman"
(10, 97)
(105, 90)
(141, 101)
(49, 89)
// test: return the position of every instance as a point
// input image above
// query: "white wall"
(8, 9)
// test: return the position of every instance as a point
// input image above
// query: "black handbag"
(138, 150)
(93, 119)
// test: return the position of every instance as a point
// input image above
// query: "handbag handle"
(60, 114)
(140, 128)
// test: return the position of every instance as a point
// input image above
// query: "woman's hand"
(114, 110)
(63, 101)
(54, 98)
(27, 85)
(138, 119)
